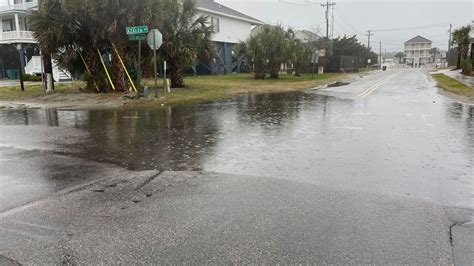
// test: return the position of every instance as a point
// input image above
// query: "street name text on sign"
(137, 30)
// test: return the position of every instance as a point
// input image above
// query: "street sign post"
(154, 41)
(138, 33)
(137, 30)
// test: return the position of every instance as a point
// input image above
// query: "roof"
(418, 39)
(213, 7)
(310, 36)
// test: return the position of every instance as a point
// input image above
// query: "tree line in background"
(269, 47)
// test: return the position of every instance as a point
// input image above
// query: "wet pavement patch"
(338, 84)
(4, 261)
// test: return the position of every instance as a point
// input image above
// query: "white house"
(14, 27)
(417, 51)
(306, 36)
(230, 28)
(14, 30)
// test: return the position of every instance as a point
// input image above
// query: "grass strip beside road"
(198, 89)
(215, 87)
(454, 86)
(34, 90)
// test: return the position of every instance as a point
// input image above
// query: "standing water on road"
(404, 138)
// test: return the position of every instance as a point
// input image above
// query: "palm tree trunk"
(96, 76)
(176, 77)
(118, 74)
(458, 64)
(259, 72)
(275, 70)
(48, 66)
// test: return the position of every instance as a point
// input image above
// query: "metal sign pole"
(165, 82)
(154, 64)
(139, 70)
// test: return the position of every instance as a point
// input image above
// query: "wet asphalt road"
(377, 171)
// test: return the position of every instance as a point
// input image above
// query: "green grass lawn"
(454, 86)
(198, 89)
(35, 90)
(213, 87)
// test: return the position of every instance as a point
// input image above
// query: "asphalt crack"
(148, 181)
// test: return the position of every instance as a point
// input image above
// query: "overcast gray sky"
(428, 18)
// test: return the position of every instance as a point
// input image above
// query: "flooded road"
(383, 167)
(388, 133)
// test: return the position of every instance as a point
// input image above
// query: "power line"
(412, 28)
(347, 21)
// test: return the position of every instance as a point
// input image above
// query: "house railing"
(20, 6)
(17, 35)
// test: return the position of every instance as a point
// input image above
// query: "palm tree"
(300, 55)
(73, 30)
(278, 43)
(186, 37)
(461, 40)
(267, 48)
(254, 51)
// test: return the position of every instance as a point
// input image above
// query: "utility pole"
(450, 36)
(332, 23)
(327, 6)
(449, 44)
(369, 33)
(380, 52)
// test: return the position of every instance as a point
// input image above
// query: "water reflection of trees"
(269, 111)
(165, 138)
(463, 112)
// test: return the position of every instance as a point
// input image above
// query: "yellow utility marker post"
(105, 69)
(126, 71)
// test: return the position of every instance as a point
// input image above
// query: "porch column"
(17, 25)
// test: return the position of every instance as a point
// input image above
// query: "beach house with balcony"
(417, 51)
(15, 35)
(14, 27)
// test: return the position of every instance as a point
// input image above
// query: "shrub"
(466, 66)
(28, 77)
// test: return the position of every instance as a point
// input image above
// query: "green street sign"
(137, 30)
(137, 37)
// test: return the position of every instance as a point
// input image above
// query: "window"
(7, 25)
(215, 23)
